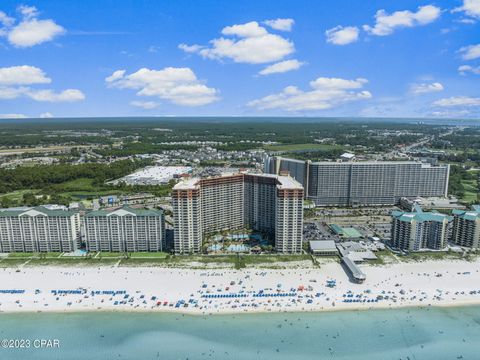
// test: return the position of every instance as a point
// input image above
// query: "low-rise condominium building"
(125, 230)
(39, 229)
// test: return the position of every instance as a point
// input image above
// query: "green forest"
(56, 183)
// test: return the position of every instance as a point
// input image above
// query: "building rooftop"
(347, 155)
(373, 162)
(346, 232)
(188, 183)
(471, 215)
(323, 245)
(283, 182)
(125, 210)
(287, 182)
(355, 270)
(155, 174)
(420, 217)
(35, 211)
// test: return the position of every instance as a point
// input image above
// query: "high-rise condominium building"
(39, 229)
(466, 227)
(363, 183)
(267, 203)
(125, 230)
(419, 230)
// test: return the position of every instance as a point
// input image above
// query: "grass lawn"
(471, 190)
(81, 184)
(147, 259)
(259, 259)
(20, 255)
(27, 256)
(383, 257)
(11, 263)
(78, 188)
(83, 187)
(431, 255)
(64, 261)
(301, 147)
(18, 194)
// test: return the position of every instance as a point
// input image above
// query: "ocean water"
(441, 333)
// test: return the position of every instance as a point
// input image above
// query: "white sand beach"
(428, 283)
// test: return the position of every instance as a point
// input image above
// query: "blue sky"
(240, 58)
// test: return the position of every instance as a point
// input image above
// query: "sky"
(96, 58)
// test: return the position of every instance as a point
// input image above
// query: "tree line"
(43, 176)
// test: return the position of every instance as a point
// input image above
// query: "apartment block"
(39, 229)
(363, 183)
(466, 227)
(418, 230)
(125, 230)
(267, 203)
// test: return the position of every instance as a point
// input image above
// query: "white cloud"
(115, 76)
(12, 116)
(250, 43)
(22, 75)
(342, 35)
(28, 12)
(46, 115)
(325, 94)
(69, 95)
(464, 69)
(385, 23)
(30, 31)
(425, 88)
(147, 105)
(457, 101)
(470, 52)
(466, 21)
(190, 48)
(450, 113)
(177, 85)
(6, 20)
(8, 93)
(280, 24)
(470, 8)
(153, 49)
(33, 32)
(251, 29)
(282, 67)
(14, 78)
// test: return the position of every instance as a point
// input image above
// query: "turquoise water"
(446, 333)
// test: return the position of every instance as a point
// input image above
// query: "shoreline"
(466, 304)
(451, 283)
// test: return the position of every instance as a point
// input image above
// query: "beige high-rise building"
(268, 203)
